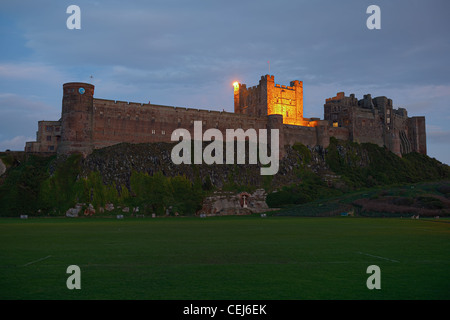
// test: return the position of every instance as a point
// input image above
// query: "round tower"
(77, 118)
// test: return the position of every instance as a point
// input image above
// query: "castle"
(89, 123)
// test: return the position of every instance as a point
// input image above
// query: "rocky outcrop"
(73, 212)
(2, 167)
(229, 203)
(117, 163)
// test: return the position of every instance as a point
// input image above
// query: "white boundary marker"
(27, 264)
(366, 254)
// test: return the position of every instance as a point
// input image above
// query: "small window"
(163, 132)
(153, 131)
(49, 138)
(51, 148)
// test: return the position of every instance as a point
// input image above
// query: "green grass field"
(247, 257)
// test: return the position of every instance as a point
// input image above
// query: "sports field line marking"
(31, 262)
(366, 254)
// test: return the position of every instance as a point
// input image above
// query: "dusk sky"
(188, 53)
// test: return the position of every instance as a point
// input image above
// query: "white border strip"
(27, 264)
(366, 254)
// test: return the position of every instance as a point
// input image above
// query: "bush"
(403, 201)
(19, 193)
(429, 203)
(304, 152)
(444, 189)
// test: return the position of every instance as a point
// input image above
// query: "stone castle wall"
(89, 123)
(117, 121)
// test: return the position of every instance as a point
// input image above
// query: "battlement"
(268, 78)
(284, 87)
(339, 96)
(124, 105)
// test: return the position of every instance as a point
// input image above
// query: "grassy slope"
(28, 188)
(225, 258)
(350, 202)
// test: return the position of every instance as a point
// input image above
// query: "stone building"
(48, 137)
(376, 121)
(89, 123)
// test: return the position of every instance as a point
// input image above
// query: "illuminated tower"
(269, 98)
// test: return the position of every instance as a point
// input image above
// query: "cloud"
(30, 80)
(19, 118)
(23, 107)
(16, 143)
(437, 134)
(29, 71)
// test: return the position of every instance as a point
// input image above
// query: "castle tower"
(417, 133)
(297, 107)
(77, 118)
(268, 98)
(239, 91)
(266, 84)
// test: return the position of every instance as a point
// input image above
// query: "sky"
(188, 53)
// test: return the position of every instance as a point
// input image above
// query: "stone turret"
(77, 118)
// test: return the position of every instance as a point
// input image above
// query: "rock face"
(229, 203)
(116, 164)
(2, 167)
(89, 211)
(73, 212)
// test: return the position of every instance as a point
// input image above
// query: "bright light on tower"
(236, 85)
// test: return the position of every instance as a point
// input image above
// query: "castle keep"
(89, 123)
(269, 98)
